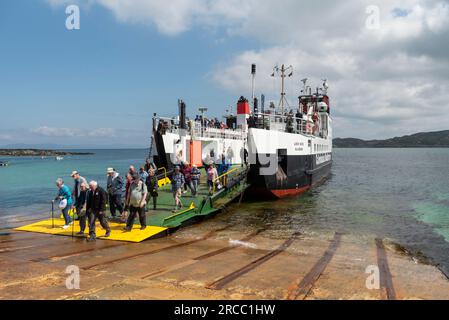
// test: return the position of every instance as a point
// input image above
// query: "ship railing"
(165, 180)
(222, 180)
(196, 129)
(221, 133)
(279, 122)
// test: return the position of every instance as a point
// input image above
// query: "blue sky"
(386, 64)
(106, 75)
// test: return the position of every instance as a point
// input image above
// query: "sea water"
(398, 194)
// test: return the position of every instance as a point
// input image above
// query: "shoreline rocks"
(39, 153)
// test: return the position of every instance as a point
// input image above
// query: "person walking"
(115, 191)
(212, 174)
(96, 209)
(223, 167)
(152, 186)
(196, 176)
(77, 187)
(149, 164)
(66, 201)
(81, 207)
(186, 170)
(177, 183)
(129, 179)
(143, 174)
(136, 201)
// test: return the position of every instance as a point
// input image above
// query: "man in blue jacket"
(115, 191)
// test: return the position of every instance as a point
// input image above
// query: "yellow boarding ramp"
(117, 232)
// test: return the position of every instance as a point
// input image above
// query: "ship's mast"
(282, 71)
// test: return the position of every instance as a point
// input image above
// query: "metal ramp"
(117, 232)
(161, 220)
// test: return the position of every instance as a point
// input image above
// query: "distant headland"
(439, 139)
(39, 153)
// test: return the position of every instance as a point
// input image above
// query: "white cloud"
(6, 136)
(386, 80)
(73, 132)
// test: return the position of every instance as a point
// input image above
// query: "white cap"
(110, 170)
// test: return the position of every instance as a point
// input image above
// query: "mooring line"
(201, 257)
(223, 281)
(305, 285)
(386, 281)
(137, 255)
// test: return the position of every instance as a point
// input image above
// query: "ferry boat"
(287, 149)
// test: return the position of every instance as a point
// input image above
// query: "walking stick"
(73, 223)
(52, 214)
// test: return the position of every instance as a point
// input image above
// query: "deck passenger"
(96, 209)
(186, 170)
(143, 174)
(136, 201)
(115, 192)
(76, 188)
(212, 175)
(223, 167)
(149, 164)
(196, 175)
(129, 179)
(177, 183)
(152, 186)
(81, 207)
(66, 201)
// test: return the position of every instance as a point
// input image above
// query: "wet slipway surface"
(382, 212)
(219, 258)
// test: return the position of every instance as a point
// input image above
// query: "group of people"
(89, 201)
(211, 123)
(130, 197)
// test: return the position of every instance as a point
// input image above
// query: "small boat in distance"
(4, 163)
(58, 158)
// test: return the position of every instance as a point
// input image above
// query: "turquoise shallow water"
(28, 184)
(401, 194)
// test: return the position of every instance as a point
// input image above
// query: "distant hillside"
(38, 153)
(419, 140)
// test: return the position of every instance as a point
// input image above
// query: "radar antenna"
(325, 86)
(282, 72)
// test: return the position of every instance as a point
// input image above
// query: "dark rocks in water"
(38, 153)
(439, 139)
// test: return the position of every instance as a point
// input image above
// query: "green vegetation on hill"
(38, 153)
(437, 139)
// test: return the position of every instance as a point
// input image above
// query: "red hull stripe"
(289, 192)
